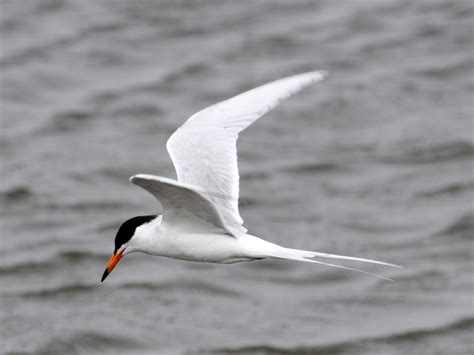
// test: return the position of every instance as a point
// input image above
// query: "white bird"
(201, 220)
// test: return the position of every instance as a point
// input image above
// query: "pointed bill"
(113, 261)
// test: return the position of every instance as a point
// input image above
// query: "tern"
(200, 220)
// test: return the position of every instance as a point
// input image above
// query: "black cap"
(127, 229)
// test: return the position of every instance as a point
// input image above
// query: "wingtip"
(319, 75)
(136, 178)
(391, 265)
(140, 176)
(147, 179)
(323, 74)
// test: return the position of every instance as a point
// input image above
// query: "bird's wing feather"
(203, 149)
(183, 206)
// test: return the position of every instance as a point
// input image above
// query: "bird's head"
(126, 240)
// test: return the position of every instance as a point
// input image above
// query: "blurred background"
(375, 162)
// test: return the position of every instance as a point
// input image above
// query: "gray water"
(376, 162)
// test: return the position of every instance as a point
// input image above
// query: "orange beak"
(113, 261)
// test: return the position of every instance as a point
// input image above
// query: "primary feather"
(203, 149)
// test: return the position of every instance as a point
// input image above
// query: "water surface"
(376, 162)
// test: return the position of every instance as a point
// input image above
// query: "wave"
(86, 205)
(76, 255)
(53, 262)
(445, 70)
(36, 266)
(274, 43)
(112, 98)
(431, 154)
(88, 342)
(312, 168)
(254, 175)
(184, 285)
(423, 276)
(320, 276)
(34, 52)
(248, 202)
(187, 286)
(352, 346)
(153, 83)
(450, 189)
(185, 72)
(18, 193)
(462, 227)
(144, 109)
(68, 120)
(116, 173)
(59, 291)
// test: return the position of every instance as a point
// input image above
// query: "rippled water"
(376, 161)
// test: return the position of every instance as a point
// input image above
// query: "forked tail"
(308, 256)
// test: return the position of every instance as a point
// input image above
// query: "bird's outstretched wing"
(203, 149)
(183, 206)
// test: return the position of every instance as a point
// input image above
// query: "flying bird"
(200, 219)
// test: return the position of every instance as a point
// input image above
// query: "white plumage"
(204, 149)
(201, 219)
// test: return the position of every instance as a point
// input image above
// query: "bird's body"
(201, 247)
(201, 220)
(176, 242)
